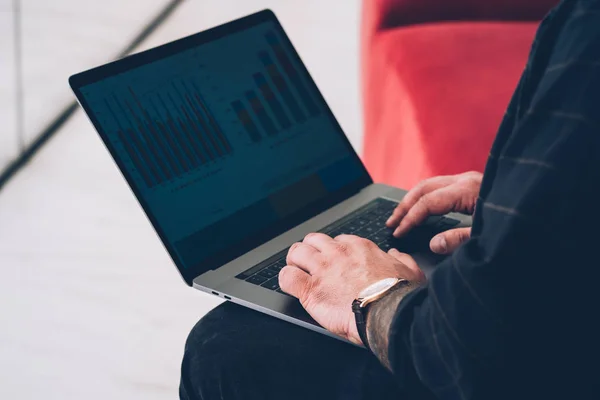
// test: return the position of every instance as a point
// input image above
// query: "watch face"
(378, 287)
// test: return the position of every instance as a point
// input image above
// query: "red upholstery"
(434, 94)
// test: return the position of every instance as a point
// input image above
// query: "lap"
(237, 353)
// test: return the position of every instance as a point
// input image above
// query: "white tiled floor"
(8, 137)
(91, 306)
(59, 38)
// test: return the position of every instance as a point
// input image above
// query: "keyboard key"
(372, 229)
(365, 231)
(369, 216)
(387, 205)
(387, 212)
(380, 211)
(350, 227)
(378, 224)
(335, 233)
(361, 233)
(275, 268)
(256, 279)
(272, 284)
(385, 246)
(361, 222)
(379, 237)
(387, 231)
(268, 273)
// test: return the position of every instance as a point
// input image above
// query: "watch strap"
(360, 314)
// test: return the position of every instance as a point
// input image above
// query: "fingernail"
(439, 244)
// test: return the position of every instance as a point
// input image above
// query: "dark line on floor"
(27, 154)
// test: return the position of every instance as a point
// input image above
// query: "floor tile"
(62, 37)
(8, 132)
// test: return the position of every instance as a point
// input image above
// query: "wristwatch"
(360, 306)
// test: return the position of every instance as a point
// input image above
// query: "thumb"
(447, 242)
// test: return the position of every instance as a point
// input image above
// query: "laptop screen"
(223, 142)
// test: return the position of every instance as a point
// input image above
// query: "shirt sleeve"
(487, 318)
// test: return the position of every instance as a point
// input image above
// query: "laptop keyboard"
(367, 222)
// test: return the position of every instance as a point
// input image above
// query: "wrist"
(370, 294)
(390, 300)
(379, 318)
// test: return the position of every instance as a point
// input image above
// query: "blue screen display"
(222, 140)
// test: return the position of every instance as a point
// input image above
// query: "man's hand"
(438, 196)
(327, 274)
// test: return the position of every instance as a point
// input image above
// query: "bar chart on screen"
(219, 136)
(182, 117)
(287, 101)
(169, 133)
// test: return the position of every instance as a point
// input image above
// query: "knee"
(210, 369)
(199, 369)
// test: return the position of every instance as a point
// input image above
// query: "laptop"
(234, 155)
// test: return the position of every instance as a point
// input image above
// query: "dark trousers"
(237, 353)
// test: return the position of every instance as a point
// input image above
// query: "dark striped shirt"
(513, 313)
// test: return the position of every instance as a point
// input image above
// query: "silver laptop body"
(222, 281)
(193, 124)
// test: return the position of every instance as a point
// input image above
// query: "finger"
(402, 257)
(349, 244)
(320, 241)
(409, 262)
(447, 242)
(305, 256)
(294, 281)
(438, 202)
(420, 190)
(351, 240)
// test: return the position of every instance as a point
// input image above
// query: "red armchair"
(437, 78)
